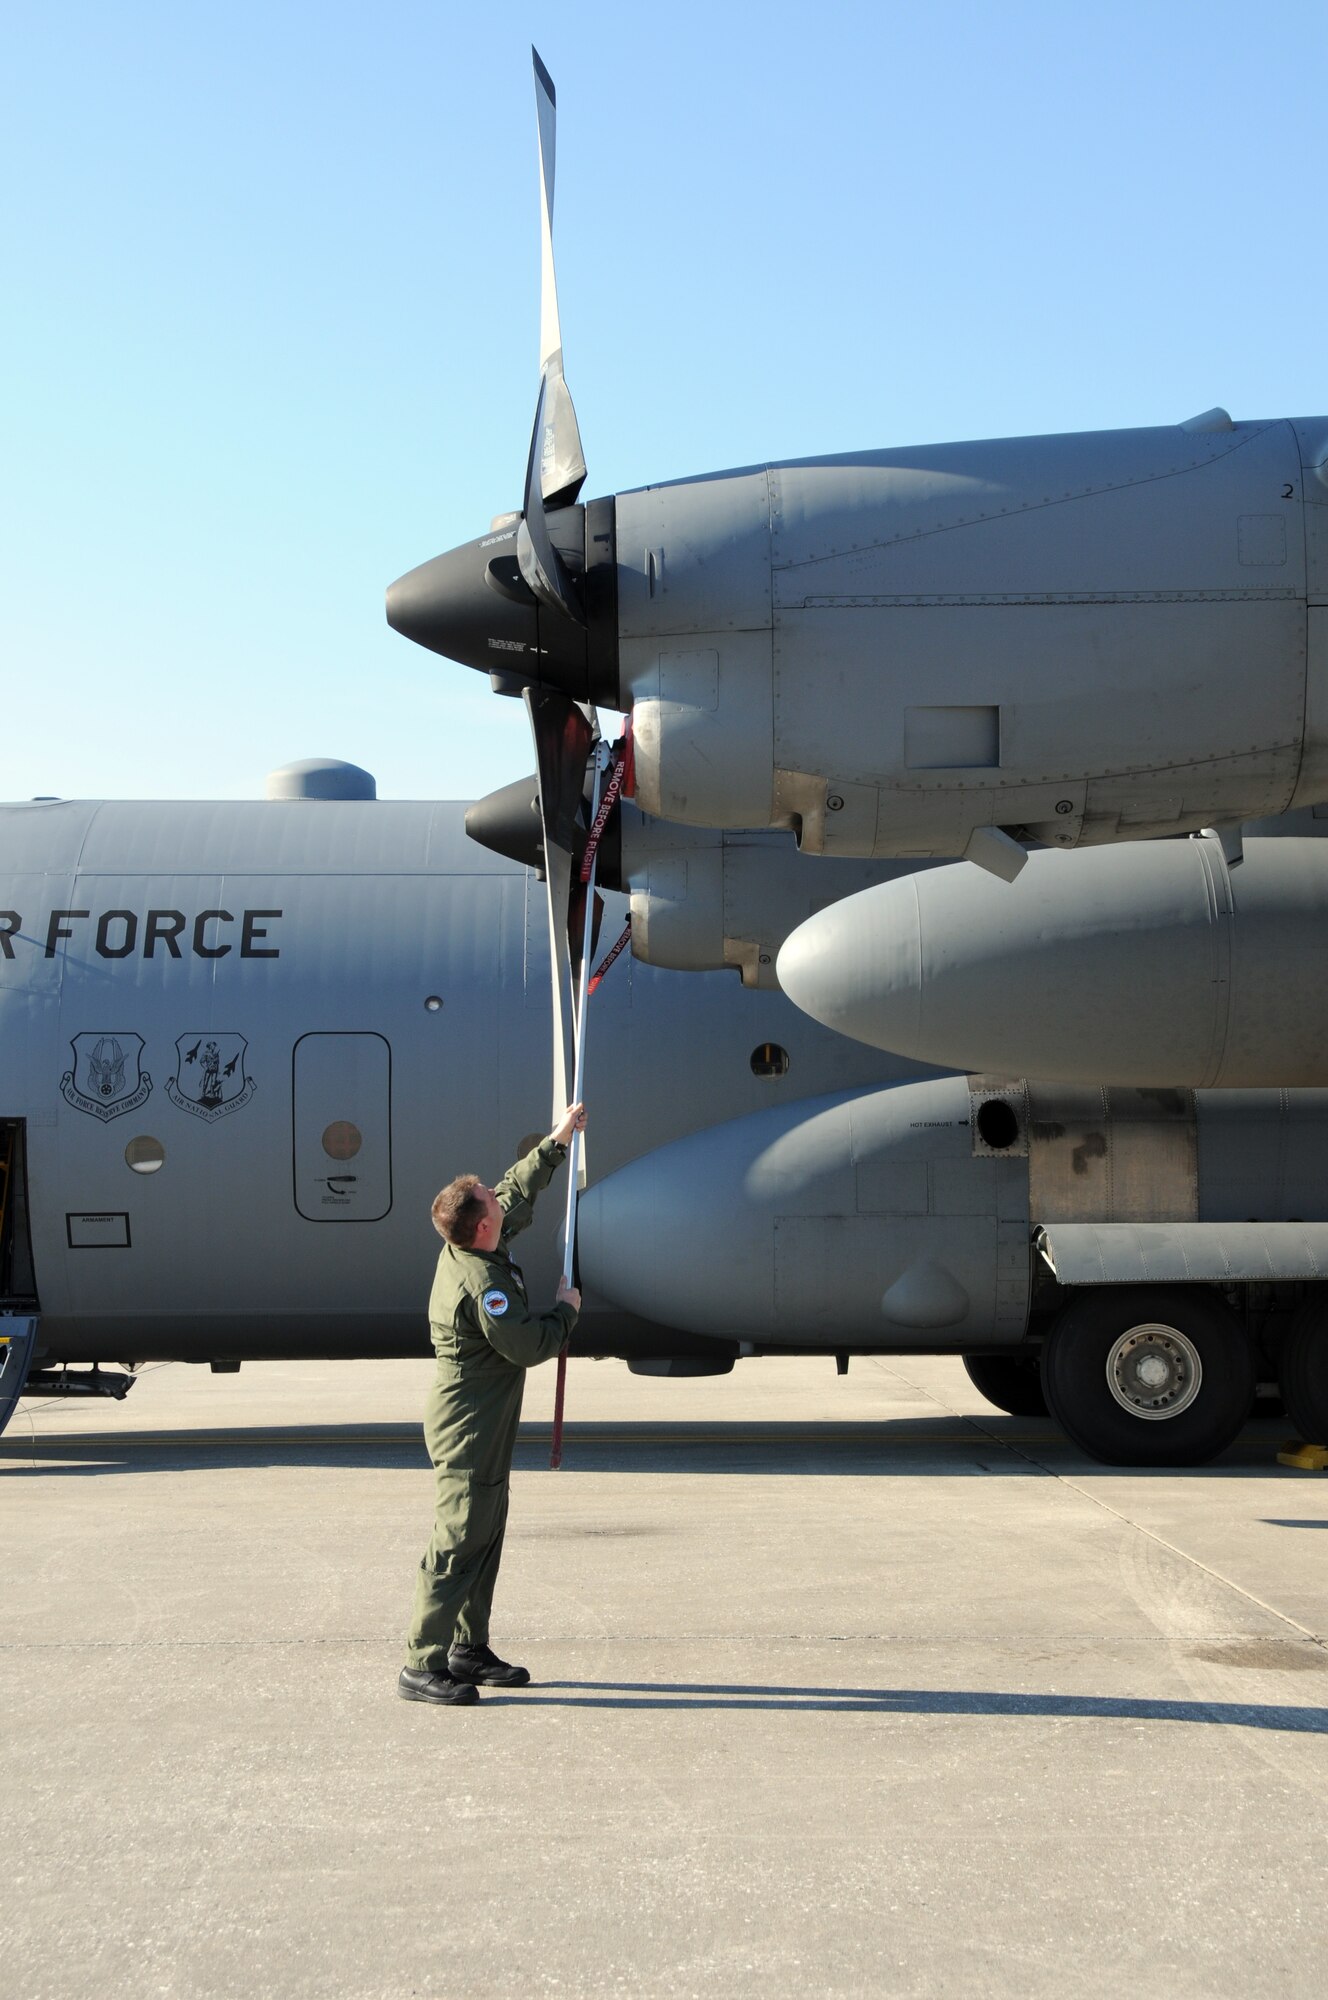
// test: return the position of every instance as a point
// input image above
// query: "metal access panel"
(1109, 1154)
(871, 1281)
(342, 1119)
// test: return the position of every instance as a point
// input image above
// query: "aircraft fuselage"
(298, 1020)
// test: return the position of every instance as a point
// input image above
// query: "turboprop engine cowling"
(856, 1220)
(906, 1218)
(1085, 638)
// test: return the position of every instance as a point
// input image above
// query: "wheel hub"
(1154, 1371)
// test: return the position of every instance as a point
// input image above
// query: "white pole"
(600, 754)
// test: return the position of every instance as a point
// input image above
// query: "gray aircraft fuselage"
(242, 1044)
(248, 987)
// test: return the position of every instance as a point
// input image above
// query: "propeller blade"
(586, 914)
(540, 563)
(576, 931)
(576, 1162)
(564, 735)
(562, 463)
(555, 467)
(558, 889)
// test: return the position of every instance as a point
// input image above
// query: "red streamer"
(621, 945)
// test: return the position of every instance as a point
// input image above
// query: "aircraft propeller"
(565, 732)
(534, 604)
(535, 599)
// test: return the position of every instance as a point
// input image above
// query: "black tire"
(1185, 1417)
(1303, 1371)
(1013, 1382)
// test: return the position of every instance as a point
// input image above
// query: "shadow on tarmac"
(895, 1447)
(917, 1701)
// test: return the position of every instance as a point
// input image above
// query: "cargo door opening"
(18, 1289)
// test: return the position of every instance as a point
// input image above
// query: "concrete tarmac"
(841, 1687)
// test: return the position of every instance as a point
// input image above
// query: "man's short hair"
(458, 1211)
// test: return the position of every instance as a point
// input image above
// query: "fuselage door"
(16, 1280)
(343, 1127)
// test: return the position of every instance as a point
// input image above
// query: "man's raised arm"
(517, 1189)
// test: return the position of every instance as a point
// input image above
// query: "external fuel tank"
(1153, 964)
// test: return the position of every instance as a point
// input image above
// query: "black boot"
(418, 1684)
(481, 1666)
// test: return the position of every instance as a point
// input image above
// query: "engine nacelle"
(702, 899)
(1080, 639)
(851, 1221)
(902, 1218)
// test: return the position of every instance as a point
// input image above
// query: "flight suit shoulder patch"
(494, 1302)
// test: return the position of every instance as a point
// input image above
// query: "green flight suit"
(485, 1337)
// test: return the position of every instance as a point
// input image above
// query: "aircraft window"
(144, 1155)
(432, 1004)
(342, 1140)
(998, 1127)
(770, 1060)
(528, 1144)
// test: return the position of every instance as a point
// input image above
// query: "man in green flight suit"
(485, 1337)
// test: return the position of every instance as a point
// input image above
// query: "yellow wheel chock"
(1305, 1457)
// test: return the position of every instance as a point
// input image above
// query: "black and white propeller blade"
(562, 463)
(564, 735)
(555, 466)
(541, 566)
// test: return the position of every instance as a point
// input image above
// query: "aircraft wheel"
(1012, 1382)
(1304, 1371)
(1145, 1375)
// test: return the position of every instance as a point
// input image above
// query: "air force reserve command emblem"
(106, 1080)
(209, 1078)
(495, 1304)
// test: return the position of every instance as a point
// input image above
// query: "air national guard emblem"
(106, 1080)
(209, 1078)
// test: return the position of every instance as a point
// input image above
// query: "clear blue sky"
(272, 318)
